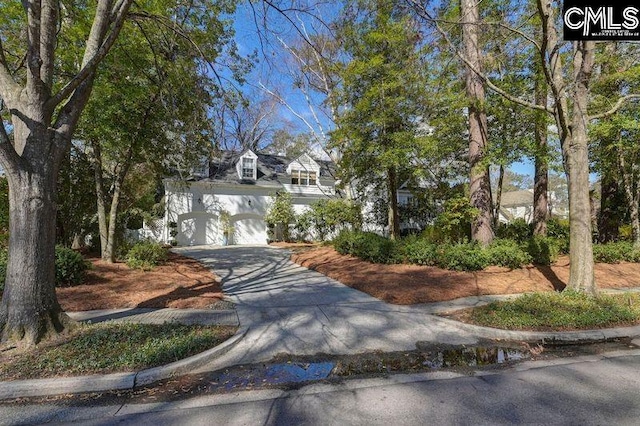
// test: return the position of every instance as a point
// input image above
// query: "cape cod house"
(230, 196)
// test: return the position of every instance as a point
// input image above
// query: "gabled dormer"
(304, 171)
(247, 166)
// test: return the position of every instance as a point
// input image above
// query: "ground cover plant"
(568, 310)
(131, 347)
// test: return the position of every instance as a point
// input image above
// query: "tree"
(480, 186)
(280, 215)
(43, 108)
(569, 90)
(381, 91)
(150, 97)
(617, 153)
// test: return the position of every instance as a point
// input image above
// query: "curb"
(116, 381)
(567, 337)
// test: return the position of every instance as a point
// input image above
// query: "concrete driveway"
(293, 310)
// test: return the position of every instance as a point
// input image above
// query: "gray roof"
(271, 169)
(516, 198)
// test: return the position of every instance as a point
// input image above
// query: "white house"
(519, 205)
(237, 188)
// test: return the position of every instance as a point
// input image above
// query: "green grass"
(559, 311)
(108, 347)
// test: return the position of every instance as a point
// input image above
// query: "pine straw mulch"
(410, 284)
(179, 283)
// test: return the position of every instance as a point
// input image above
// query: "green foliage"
(544, 250)
(507, 253)
(130, 347)
(616, 252)
(328, 216)
(71, 267)
(458, 257)
(626, 232)
(566, 310)
(558, 228)
(463, 257)
(454, 223)
(518, 230)
(146, 255)
(303, 227)
(365, 245)
(382, 88)
(419, 251)
(280, 215)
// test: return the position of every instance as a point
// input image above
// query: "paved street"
(584, 391)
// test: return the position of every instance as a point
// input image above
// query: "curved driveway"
(290, 309)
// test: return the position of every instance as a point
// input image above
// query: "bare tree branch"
(615, 107)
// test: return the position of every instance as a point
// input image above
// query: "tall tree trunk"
(480, 188)
(110, 253)
(498, 203)
(576, 151)
(394, 219)
(101, 197)
(572, 129)
(541, 174)
(30, 309)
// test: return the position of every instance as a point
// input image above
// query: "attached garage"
(249, 229)
(198, 228)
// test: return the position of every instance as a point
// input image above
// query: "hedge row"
(469, 256)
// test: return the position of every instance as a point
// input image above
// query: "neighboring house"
(519, 205)
(234, 192)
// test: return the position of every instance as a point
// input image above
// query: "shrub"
(621, 251)
(419, 251)
(507, 253)
(544, 250)
(454, 223)
(146, 254)
(279, 215)
(366, 245)
(463, 257)
(518, 230)
(625, 232)
(71, 267)
(330, 216)
(558, 228)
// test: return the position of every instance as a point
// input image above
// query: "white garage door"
(250, 230)
(198, 229)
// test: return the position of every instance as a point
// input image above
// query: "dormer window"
(248, 166)
(303, 177)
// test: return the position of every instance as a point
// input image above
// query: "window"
(303, 177)
(247, 168)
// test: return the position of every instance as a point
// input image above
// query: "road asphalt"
(283, 308)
